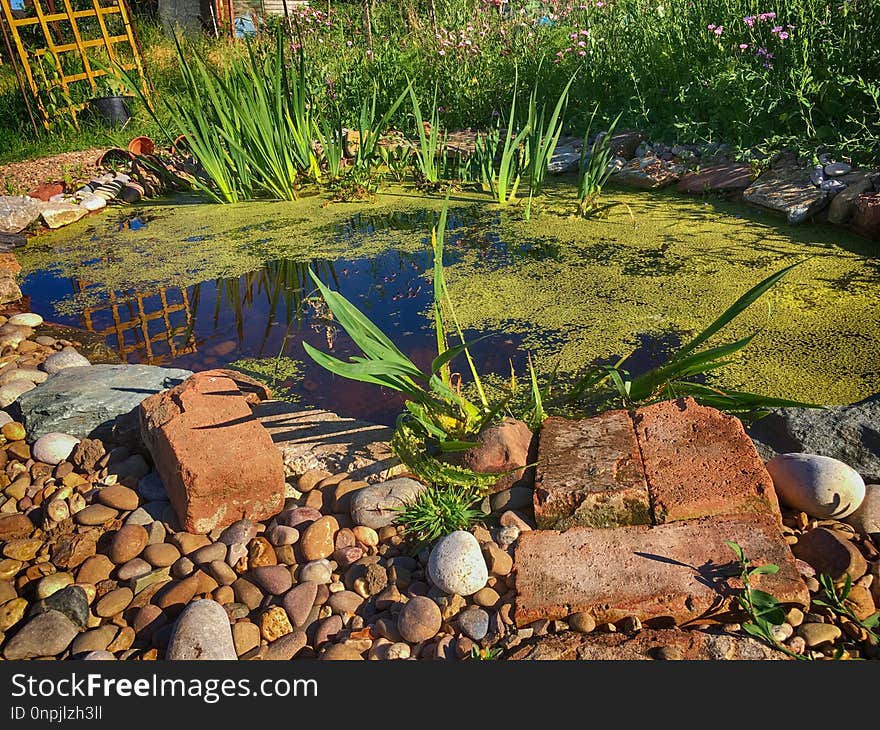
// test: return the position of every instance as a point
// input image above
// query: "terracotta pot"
(114, 155)
(141, 146)
(179, 146)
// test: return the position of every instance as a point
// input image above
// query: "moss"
(278, 373)
(658, 269)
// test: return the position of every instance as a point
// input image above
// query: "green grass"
(658, 64)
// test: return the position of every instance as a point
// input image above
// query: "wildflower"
(582, 53)
(719, 30)
(442, 52)
(349, 44)
(776, 29)
(749, 20)
(711, 26)
(743, 46)
(783, 35)
(582, 44)
(766, 16)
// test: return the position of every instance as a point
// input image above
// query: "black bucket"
(112, 110)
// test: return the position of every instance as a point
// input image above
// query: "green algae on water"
(278, 373)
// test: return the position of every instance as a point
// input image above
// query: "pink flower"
(719, 30)
(582, 53)
(711, 26)
(743, 46)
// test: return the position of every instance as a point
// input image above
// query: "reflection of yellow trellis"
(79, 45)
(131, 316)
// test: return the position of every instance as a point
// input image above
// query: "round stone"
(836, 169)
(5, 418)
(53, 448)
(134, 568)
(160, 555)
(317, 571)
(13, 431)
(53, 583)
(474, 623)
(419, 620)
(340, 652)
(298, 601)
(127, 543)
(378, 505)
(93, 656)
(47, 634)
(866, 519)
(818, 485)
(113, 602)
(581, 622)
(10, 392)
(317, 539)
(818, 634)
(274, 579)
(456, 564)
(26, 319)
(151, 488)
(95, 514)
(345, 602)
(202, 632)
(239, 533)
(63, 359)
(283, 535)
(118, 497)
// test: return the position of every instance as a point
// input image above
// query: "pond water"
(196, 285)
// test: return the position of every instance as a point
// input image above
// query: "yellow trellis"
(35, 15)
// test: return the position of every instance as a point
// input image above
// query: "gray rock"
(789, 190)
(843, 205)
(818, 485)
(53, 448)
(94, 202)
(456, 564)
(836, 169)
(377, 506)
(474, 623)
(26, 319)
(63, 359)
(17, 212)
(56, 215)
(866, 519)
(97, 656)
(5, 418)
(70, 601)
(47, 634)
(564, 159)
(79, 401)
(317, 571)
(202, 632)
(239, 533)
(513, 498)
(150, 487)
(850, 434)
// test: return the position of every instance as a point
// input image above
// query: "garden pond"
(183, 283)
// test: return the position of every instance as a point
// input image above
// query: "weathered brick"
(590, 473)
(699, 461)
(664, 575)
(647, 644)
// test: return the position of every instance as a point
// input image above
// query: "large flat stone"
(316, 439)
(216, 460)
(80, 401)
(664, 575)
(699, 461)
(590, 473)
(848, 433)
(17, 212)
(789, 191)
(647, 644)
(721, 178)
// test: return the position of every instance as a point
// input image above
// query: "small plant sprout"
(594, 169)
(764, 610)
(430, 144)
(835, 599)
(487, 654)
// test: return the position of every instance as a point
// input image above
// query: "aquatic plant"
(594, 168)
(430, 141)
(370, 128)
(502, 171)
(543, 136)
(436, 410)
(608, 386)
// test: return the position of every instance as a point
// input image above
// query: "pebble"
(161, 555)
(247, 593)
(830, 553)
(25, 319)
(317, 571)
(97, 639)
(23, 549)
(378, 505)
(208, 553)
(134, 568)
(114, 602)
(220, 571)
(12, 612)
(282, 535)
(95, 514)
(327, 629)
(95, 569)
(498, 561)
(419, 620)
(53, 448)
(456, 564)
(513, 498)
(52, 584)
(47, 634)
(317, 539)
(298, 602)
(474, 623)
(340, 652)
(581, 622)
(866, 519)
(836, 169)
(151, 488)
(63, 359)
(128, 542)
(202, 631)
(10, 392)
(818, 485)
(118, 497)
(310, 479)
(273, 579)
(818, 634)
(345, 602)
(486, 597)
(239, 533)
(298, 516)
(274, 623)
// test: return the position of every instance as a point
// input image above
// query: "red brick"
(664, 575)
(646, 644)
(590, 473)
(215, 458)
(699, 461)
